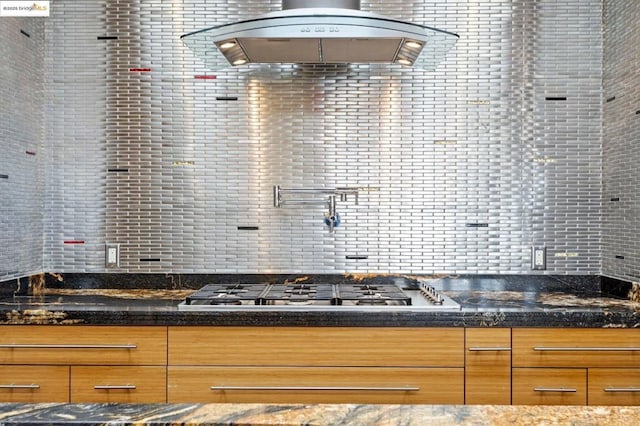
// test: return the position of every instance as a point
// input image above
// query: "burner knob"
(431, 294)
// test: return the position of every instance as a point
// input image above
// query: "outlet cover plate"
(112, 255)
(538, 258)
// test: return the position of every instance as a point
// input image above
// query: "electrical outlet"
(112, 255)
(538, 258)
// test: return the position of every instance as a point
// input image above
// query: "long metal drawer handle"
(319, 388)
(114, 387)
(622, 389)
(595, 349)
(19, 386)
(71, 346)
(489, 349)
(555, 390)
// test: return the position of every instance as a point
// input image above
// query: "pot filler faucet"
(309, 197)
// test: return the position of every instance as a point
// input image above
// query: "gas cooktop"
(307, 296)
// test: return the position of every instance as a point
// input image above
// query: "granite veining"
(634, 292)
(37, 316)
(320, 414)
(486, 301)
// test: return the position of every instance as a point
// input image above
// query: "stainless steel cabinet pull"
(622, 389)
(593, 349)
(114, 387)
(319, 388)
(71, 346)
(19, 386)
(489, 349)
(555, 390)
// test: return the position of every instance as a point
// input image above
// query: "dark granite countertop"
(319, 414)
(486, 301)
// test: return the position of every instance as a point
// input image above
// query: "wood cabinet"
(564, 358)
(124, 384)
(316, 346)
(34, 383)
(546, 347)
(38, 363)
(549, 386)
(316, 364)
(401, 365)
(361, 385)
(488, 366)
(83, 345)
(614, 386)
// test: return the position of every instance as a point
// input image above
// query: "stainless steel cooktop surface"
(307, 296)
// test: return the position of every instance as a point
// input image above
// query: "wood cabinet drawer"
(316, 346)
(576, 347)
(614, 386)
(488, 366)
(115, 345)
(118, 384)
(34, 383)
(316, 385)
(549, 386)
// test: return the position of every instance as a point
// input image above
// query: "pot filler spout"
(321, 32)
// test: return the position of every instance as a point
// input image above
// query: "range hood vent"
(320, 32)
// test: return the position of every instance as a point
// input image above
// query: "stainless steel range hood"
(320, 32)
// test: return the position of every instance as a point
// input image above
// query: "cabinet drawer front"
(118, 384)
(34, 383)
(83, 345)
(488, 366)
(614, 386)
(316, 346)
(549, 386)
(576, 347)
(316, 385)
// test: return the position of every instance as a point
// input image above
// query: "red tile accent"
(204, 77)
(139, 69)
(74, 241)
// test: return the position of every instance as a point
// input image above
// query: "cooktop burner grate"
(299, 293)
(373, 294)
(226, 294)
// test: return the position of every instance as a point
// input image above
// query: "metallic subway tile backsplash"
(22, 159)
(621, 149)
(179, 170)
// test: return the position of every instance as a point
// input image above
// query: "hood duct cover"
(321, 32)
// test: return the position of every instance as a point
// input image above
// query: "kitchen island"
(320, 414)
(513, 340)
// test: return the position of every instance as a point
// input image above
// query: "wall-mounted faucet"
(308, 196)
